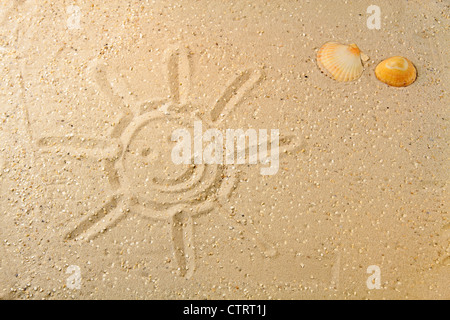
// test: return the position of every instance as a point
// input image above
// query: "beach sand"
(92, 207)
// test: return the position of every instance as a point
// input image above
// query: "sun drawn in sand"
(141, 173)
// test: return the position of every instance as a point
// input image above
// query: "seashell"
(396, 72)
(341, 62)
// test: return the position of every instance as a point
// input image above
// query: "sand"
(93, 208)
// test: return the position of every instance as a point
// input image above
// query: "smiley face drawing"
(141, 174)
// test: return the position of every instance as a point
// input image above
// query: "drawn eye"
(145, 152)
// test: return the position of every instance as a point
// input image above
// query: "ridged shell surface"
(340, 62)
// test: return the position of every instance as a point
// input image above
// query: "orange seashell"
(396, 71)
(340, 62)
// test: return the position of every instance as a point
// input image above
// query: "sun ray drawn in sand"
(140, 142)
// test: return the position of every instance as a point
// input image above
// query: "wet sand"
(92, 207)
